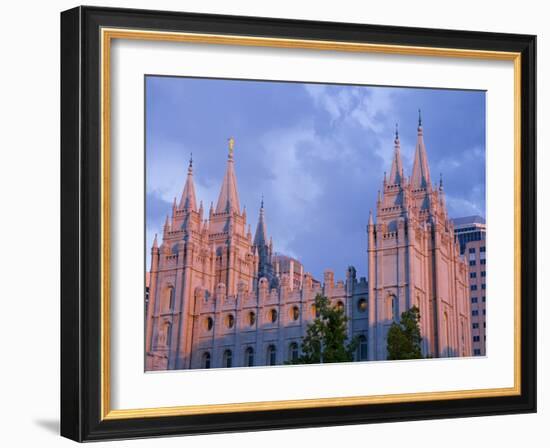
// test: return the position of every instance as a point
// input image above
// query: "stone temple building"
(221, 297)
(414, 259)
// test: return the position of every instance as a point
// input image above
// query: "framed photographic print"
(272, 223)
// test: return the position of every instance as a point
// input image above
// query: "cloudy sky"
(316, 152)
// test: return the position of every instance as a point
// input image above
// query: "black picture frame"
(81, 224)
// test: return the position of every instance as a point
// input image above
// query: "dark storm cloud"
(317, 153)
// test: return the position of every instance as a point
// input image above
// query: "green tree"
(404, 337)
(326, 337)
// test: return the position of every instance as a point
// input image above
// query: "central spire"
(188, 200)
(228, 200)
(396, 174)
(260, 237)
(421, 171)
(263, 247)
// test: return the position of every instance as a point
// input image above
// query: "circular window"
(251, 318)
(362, 305)
(230, 321)
(209, 323)
(295, 313)
(273, 316)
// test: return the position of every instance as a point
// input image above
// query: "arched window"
(362, 305)
(362, 348)
(209, 323)
(251, 318)
(171, 299)
(249, 357)
(271, 355)
(295, 313)
(273, 315)
(230, 321)
(206, 360)
(227, 358)
(168, 333)
(293, 351)
(393, 305)
(340, 306)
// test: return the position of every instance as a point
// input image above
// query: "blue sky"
(317, 153)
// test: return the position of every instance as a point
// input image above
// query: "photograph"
(293, 223)
(280, 223)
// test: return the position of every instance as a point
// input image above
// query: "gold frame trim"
(107, 35)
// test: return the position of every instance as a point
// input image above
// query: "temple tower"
(183, 262)
(228, 234)
(413, 259)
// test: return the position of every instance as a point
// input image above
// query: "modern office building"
(470, 232)
(469, 228)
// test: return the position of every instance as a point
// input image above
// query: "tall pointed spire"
(262, 247)
(228, 199)
(421, 171)
(188, 199)
(396, 174)
(442, 192)
(260, 237)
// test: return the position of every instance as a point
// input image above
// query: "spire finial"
(396, 132)
(441, 181)
(231, 144)
(228, 199)
(419, 118)
(155, 244)
(262, 203)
